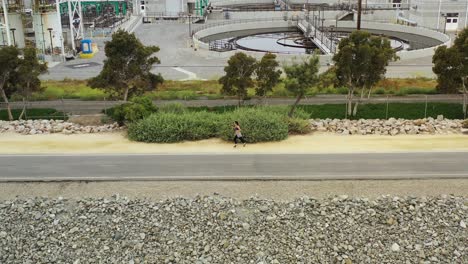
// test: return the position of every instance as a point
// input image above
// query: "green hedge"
(171, 127)
(137, 109)
(36, 113)
(378, 111)
(258, 125)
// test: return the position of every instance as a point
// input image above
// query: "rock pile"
(32, 127)
(391, 126)
(215, 229)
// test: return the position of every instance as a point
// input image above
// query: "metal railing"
(241, 21)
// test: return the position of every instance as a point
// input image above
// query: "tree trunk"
(25, 93)
(357, 103)
(293, 107)
(5, 99)
(126, 94)
(239, 100)
(24, 109)
(350, 101)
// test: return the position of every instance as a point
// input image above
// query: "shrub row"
(165, 127)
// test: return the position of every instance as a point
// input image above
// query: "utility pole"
(359, 10)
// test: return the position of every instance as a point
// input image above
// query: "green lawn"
(211, 89)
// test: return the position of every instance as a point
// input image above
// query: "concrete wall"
(405, 55)
(239, 2)
(426, 13)
(170, 7)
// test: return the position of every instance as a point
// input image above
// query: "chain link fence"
(62, 109)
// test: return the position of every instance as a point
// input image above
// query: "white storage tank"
(16, 30)
(47, 31)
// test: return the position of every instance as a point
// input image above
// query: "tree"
(10, 63)
(451, 67)
(26, 78)
(300, 77)
(361, 62)
(238, 75)
(267, 74)
(127, 68)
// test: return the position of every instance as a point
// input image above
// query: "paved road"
(233, 167)
(93, 107)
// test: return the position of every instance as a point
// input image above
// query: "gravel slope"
(214, 229)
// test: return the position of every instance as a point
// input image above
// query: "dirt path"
(314, 143)
(282, 190)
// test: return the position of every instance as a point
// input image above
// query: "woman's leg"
(242, 139)
(235, 140)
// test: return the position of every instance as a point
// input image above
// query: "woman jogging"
(238, 134)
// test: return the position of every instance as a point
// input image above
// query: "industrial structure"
(56, 27)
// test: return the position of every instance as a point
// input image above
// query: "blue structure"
(86, 47)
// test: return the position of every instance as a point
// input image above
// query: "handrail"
(242, 21)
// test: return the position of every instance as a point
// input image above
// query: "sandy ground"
(281, 190)
(314, 143)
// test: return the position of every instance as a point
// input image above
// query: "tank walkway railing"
(221, 45)
(323, 40)
(242, 21)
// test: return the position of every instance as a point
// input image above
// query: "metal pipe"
(70, 17)
(359, 15)
(43, 37)
(7, 26)
(466, 13)
(59, 30)
(438, 14)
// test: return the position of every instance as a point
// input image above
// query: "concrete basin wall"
(438, 38)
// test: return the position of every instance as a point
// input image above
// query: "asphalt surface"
(176, 54)
(94, 107)
(437, 165)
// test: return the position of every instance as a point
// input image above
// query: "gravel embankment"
(214, 229)
(390, 127)
(33, 127)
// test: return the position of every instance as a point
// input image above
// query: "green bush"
(173, 127)
(298, 126)
(138, 108)
(175, 108)
(258, 125)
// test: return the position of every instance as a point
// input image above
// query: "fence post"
(464, 106)
(63, 109)
(346, 108)
(425, 109)
(386, 111)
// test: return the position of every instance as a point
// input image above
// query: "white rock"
(395, 247)
(462, 224)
